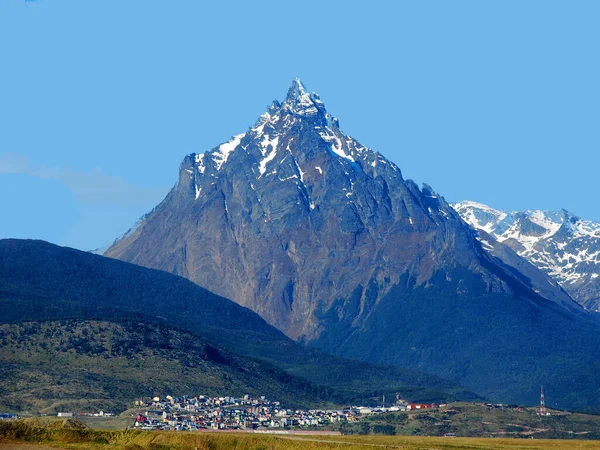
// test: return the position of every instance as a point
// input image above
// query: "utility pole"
(542, 402)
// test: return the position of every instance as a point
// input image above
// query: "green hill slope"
(90, 365)
(44, 282)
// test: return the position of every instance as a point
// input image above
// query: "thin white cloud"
(93, 188)
(13, 163)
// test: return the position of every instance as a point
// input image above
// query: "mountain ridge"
(562, 245)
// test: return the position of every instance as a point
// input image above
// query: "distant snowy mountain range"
(564, 246)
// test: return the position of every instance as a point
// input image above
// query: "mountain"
(560, 244)
(333, 214)
(41, 282)
(325, 239)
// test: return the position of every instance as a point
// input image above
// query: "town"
(203, 413)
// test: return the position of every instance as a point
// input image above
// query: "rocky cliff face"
(564, 246)
(326, 240)
(293, 214)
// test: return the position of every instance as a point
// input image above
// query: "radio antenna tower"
(542, 403)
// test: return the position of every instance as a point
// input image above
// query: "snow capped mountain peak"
(479, 215)
(299, 101)
(575, 227)
(288, 140)
(561, 244)
(296, 160)
(469, 203)
(297, 91)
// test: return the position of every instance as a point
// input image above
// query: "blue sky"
(493, 101)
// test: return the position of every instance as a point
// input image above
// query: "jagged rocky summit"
(293, 214)
(559, 243)
(325, 239)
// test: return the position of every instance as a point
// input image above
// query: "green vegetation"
(92, 365)
(477, 420)
(75, 365)
(71, 435)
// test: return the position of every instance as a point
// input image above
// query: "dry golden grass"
(24, 446)
(25, 435)
(422, 443)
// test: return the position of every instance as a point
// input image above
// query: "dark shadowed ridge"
(41, 282)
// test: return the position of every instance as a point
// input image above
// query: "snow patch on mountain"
(220, 156)
(268, 148)
(265, 144)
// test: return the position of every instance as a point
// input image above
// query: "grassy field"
(107, 423)
(35, 435)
